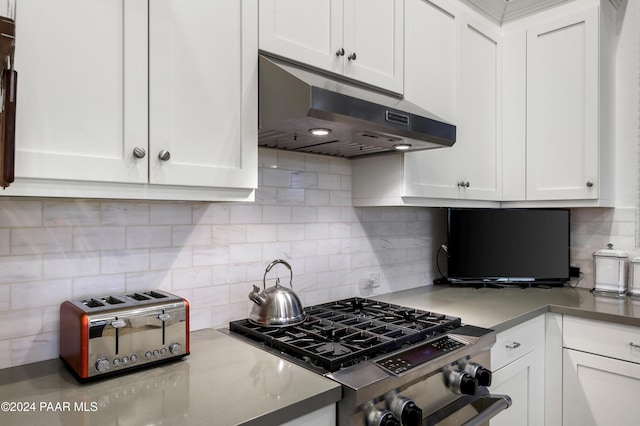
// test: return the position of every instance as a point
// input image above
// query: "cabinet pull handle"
(139, 152)
(634, 345)
(352, 57)
(513, 345)
(463, 184)
(340, 52)
(164, 155)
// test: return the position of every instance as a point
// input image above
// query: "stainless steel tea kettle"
(276, 306)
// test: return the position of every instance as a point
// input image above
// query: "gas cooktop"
(343, 333)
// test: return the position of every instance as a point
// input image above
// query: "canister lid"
(610, 252)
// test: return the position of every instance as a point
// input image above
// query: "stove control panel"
(417, 355)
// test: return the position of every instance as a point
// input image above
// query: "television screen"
(508, 245)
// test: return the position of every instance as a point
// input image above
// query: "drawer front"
(602, 338)
(517, 341)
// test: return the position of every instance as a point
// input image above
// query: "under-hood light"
(402, 146)
(319, 131)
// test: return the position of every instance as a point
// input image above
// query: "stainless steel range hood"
(361, 121)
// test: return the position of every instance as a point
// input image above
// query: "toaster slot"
(154, 294)
(92, 303)
(110, 300)
(137, 296)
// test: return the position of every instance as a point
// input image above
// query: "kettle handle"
(271, 265)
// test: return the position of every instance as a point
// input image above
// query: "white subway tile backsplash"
(85, 287)
(5, 242)
(212, 253)
(98, 238)
(191, 235)
(15, 213)
(170, 258)
(120, 213)
(170, 214)
(20, 268)
(191, 278)
(148, 237)
(40, 240)
(245, 252)
(5, 297)
(39, 293)
(71, 213)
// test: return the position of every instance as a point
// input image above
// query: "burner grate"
(342, 333)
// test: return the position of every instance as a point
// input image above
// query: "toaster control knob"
(175, 348)
(102, 365)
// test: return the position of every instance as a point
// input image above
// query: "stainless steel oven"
(396, 365)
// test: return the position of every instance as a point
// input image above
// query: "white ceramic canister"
(610, 271)
(634, 277)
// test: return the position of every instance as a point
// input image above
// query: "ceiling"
(507, 10)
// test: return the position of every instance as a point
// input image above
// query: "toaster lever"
(164, 317)
(118, 323)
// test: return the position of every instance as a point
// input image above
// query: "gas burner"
(342, 333)
(332, 348)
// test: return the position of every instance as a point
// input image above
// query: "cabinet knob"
(352, 57)
(139, 152)
(340, 52)
(589, 184)
(164, 155)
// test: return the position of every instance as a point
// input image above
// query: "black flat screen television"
(508, 246)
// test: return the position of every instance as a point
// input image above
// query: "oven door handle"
(490, 405)
(487, 405)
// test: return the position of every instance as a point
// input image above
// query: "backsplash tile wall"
(52, 250)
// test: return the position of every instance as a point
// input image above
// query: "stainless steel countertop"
(223, 382)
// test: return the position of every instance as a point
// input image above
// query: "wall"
(53, 250)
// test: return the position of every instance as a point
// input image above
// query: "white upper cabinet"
(106, 86)
(560, 129)
(202, 98)
(453, 70)
(82, 90)
(562, 108)
(358, 39)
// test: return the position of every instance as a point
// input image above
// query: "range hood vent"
(361, 121)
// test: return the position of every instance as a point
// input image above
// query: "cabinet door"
(562, 108)
(307, 31)
(374, 42)
(598, 390)
(432, 43)
(523, 381)
(478, 146)
(203, 81)
(82, 90)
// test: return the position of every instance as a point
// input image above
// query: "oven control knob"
(175, 348)
(102, 365)
(478, 372)
(404, 409)
(460, 382)
(380, 417)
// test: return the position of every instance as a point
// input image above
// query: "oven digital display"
(418, 355)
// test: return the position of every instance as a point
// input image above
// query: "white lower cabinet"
(518, 364)
(598, 390)
(601, 373)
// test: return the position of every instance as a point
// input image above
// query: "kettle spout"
(256, 297)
